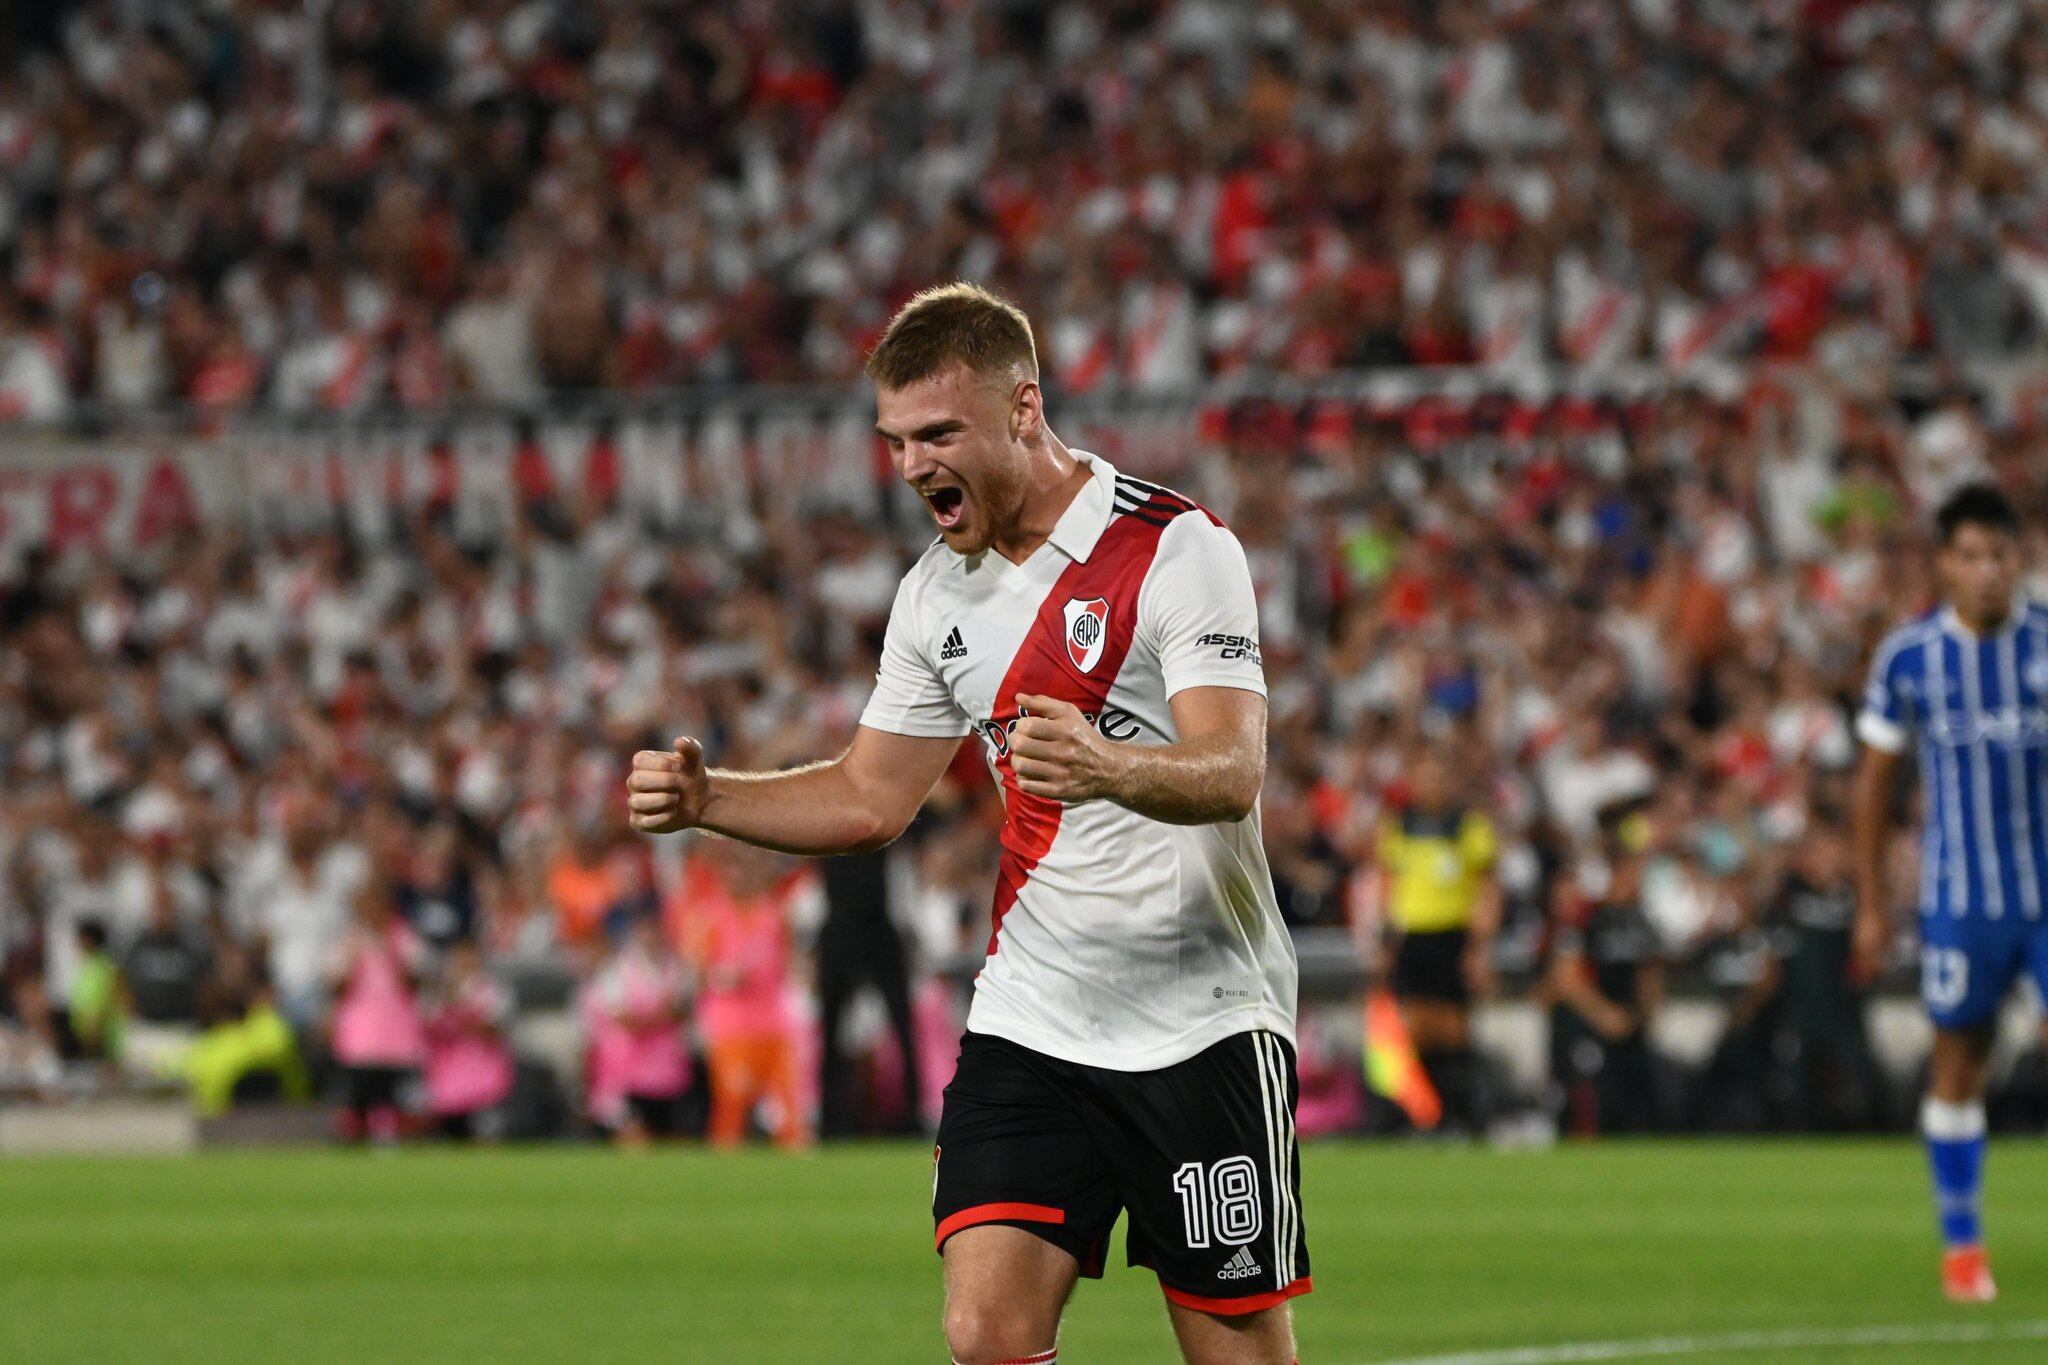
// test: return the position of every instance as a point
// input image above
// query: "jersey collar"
(2014, 618)
(1082, 524)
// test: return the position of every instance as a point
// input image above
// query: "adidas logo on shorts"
(955, 647)
(1240, 1266)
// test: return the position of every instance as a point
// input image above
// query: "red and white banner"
(72, 495)
(693, 467)
(702, 466)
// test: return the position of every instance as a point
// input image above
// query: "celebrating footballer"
(1130, 1044)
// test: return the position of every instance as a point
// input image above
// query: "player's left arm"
(1197, 613)
(1208, 776)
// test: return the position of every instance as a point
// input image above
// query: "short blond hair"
(954, 323)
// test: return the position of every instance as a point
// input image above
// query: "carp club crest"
(1087, 628)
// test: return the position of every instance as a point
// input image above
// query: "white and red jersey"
(1118, 941)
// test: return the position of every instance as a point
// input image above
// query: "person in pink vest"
(377, 1037)
(637, 1063)
(469, 1066)
(735, 923)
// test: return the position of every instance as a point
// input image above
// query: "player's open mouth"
(947, 504)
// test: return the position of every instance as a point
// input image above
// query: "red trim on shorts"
(1250, 1303)
(996, 1213)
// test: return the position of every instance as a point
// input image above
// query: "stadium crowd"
(260, 774)
(290, 796)
(374, 203)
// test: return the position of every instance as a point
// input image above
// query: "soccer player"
(1130, 1044)
(1969, 682)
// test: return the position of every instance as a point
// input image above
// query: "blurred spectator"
(587, 884)
(97, 1016)
(376, 1036)
(438, 891)
(469, 1071)
(167, 968)
(248, 1053)
(491, 341)
(736, 905)
(297, 894)
(636, 1064)
(95, 889)
(859, 946)
(1606, 981)
(1833, 1080)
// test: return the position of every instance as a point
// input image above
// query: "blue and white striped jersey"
(1979, 709)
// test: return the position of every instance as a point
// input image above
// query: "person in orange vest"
(733, 910)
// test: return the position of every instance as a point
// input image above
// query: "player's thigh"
(1005, 1290)
(1014, 1149)
(1206, 1163)
(1262, 1338)
(1959, 1063)
(1967, 968)
(1434, 1025)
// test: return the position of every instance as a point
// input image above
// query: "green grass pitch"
(559, 1254)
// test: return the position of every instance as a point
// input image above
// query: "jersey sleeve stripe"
(1149, 518)
(1159, 499)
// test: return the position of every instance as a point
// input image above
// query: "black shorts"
(1201, 1153)
(1431, 966)
(364, 1088)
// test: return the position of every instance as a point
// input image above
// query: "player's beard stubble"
(992, 500)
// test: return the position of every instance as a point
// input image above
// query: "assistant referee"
(1442, 907)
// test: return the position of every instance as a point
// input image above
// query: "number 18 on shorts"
(1201, 1154)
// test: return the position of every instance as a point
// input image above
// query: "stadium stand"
(1580, 418)
(394, 203)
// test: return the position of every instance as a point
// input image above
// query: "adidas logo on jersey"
(1240, 1266)
(955, 647)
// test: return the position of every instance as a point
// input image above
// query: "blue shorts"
(1968, 964)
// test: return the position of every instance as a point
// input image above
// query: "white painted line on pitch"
(1931, 1334)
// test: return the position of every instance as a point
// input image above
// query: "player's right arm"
(1872, 816)
(1882, 727)
(858, 801)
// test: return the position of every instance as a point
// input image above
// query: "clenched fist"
(666, 792)
(1057, 754)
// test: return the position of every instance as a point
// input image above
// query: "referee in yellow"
(1436, 857)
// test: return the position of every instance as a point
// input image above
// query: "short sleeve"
(910, 697)
(1882, 723)
(1388, 848)
(1198, 611)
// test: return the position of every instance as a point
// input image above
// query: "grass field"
(585, 1255)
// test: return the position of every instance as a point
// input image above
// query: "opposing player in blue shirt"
(1968, 683)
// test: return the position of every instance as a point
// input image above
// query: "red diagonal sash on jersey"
(1043, 667)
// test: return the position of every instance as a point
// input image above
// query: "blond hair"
(954, 323)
